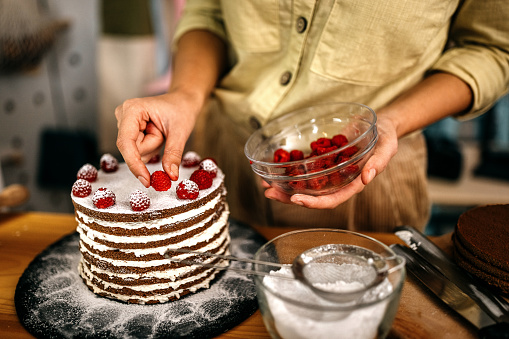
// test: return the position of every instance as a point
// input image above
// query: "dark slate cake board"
(53, 302)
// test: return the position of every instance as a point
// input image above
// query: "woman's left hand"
(385, 149)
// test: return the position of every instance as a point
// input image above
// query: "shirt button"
(285, 78)
(301, 25)
(254, 123)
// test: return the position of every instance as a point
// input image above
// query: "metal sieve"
(336, 272)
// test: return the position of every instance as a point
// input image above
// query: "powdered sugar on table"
(52, 301)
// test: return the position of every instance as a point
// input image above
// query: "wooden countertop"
(23, 236)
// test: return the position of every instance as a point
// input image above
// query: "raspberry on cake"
(202, 178)
(108, 163)
(81, 188)
(103, 198)
(209, 166)
(188, 189)
(139, 200)
(191, 159)
(160, 181)
(87, 172)
(123, 245)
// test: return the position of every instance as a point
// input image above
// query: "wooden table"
(24, 236)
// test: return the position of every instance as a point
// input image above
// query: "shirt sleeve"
(200, 14)
(480, 52)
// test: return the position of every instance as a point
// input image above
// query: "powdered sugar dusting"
(190, 186)
(103, 194)
(52, 300)
(209, 166)
(81, 188)
(123, 182)
(139, 200)
(87, 172)
(408, 238)
(191, 159)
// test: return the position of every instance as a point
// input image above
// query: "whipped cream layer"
(204, 282)
(203, 237)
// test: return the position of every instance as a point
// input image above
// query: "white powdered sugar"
(52, 300)
(320, 321)
(209, 166)
(190, 185)
(139, 200)
(109, 160)
(103, 193)
(191, 157)
(87, 171)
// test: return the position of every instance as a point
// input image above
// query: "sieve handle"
(225, 257)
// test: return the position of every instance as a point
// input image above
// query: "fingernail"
(174, 170)
(144, 181)
(296, 201)
(371, 175)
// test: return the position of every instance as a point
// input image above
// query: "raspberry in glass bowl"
(315, 150)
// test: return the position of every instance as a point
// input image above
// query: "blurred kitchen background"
(66, 64)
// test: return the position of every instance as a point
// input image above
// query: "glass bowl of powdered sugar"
(291, 309)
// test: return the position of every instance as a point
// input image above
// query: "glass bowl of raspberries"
(315, 150)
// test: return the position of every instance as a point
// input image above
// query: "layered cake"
(127, 232)
(481, 244)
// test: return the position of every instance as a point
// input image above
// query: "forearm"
(199, 62)
(438, 96)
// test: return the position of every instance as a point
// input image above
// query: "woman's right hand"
(146, 124)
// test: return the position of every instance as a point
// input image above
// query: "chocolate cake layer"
(147, 280)
(133, 255)
(146, 297)
(497, 283)
(148, 290)
(483, 232)
(163, 204)
(477, 262)
(126, 267)
(481, 244)
(146, 216)
(143, 241)
(130, 229)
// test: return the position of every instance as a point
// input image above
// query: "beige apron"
(396, 197)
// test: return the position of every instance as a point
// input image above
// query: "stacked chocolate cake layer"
(481, 244)
(123, 251)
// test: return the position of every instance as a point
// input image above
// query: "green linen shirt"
(289, 54)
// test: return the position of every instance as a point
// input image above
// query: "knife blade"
(451, 294)
(493, 305)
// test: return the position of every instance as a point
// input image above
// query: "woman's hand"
(438, 96)
(385, 149)
(146, 124)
